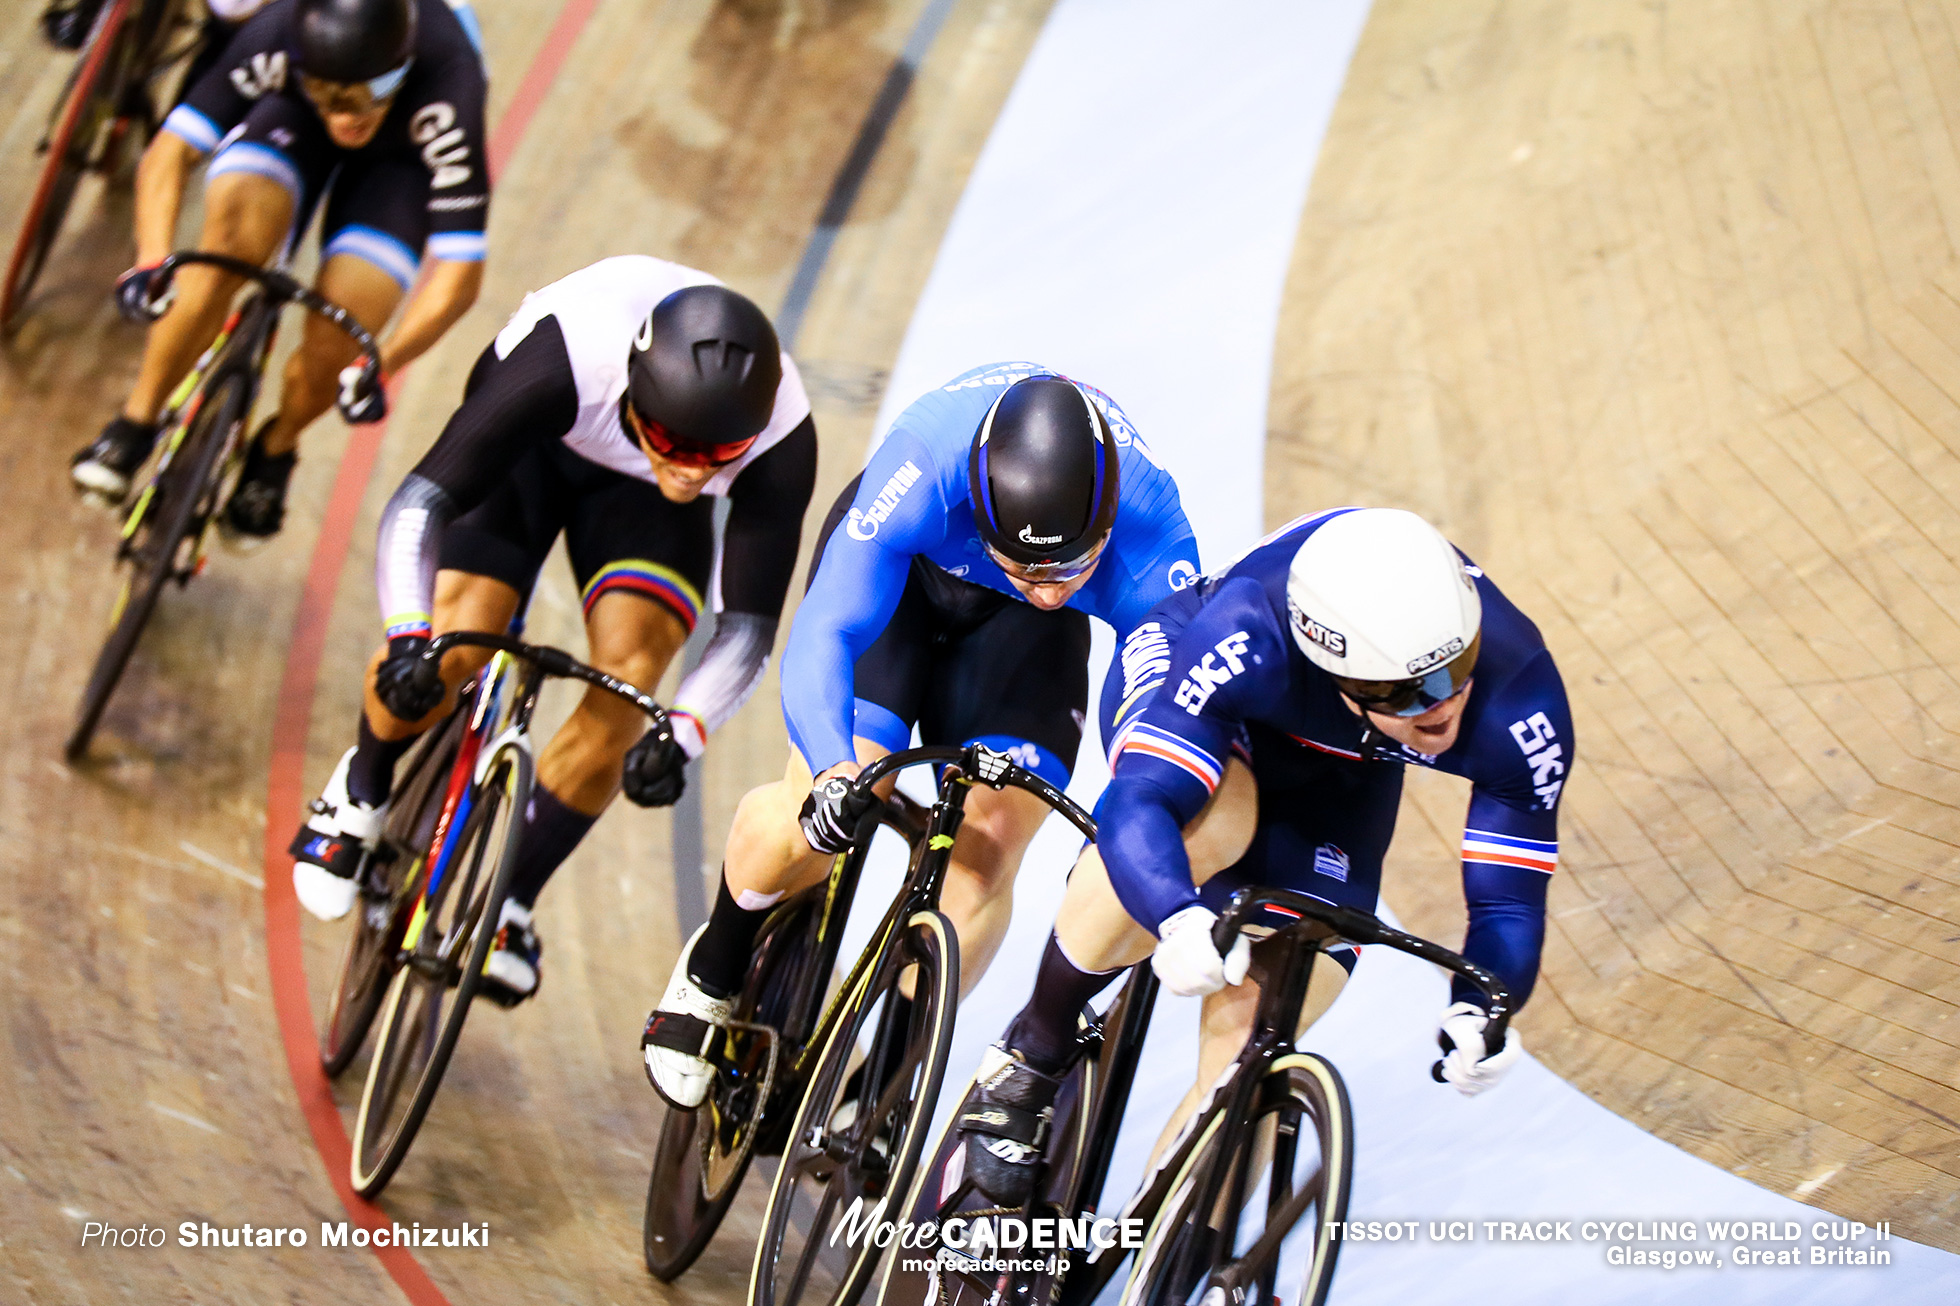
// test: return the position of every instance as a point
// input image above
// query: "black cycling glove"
(831, 813)
(408, 684)
(656, 769)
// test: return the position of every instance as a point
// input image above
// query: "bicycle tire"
(88, 101)
(154, 556)
(415, 1018)
(698, 1174)
(1190, 1237)
(841, 1161)
(386, 897)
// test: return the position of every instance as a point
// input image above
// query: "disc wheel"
(846, 1168)
(1215, 1237)
(445, 947)
(162, 533)
(390, 881)
(704, 1153)
(76, 141)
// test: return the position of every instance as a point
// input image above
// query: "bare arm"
(443, 296)
(160, 178)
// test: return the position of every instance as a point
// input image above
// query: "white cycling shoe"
(327, 850)
(679, 1034)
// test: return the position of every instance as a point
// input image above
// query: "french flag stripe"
(1513, 841)
(1168, 747)
(1476, 849)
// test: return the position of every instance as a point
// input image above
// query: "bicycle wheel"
(846, 1169)
(87, 105)
(704, 1153)
(447, 944)
(161, 536)
(1209, 1240)
(390, 881)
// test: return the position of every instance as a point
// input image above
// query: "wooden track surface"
(146, 1079)
(1655, 309)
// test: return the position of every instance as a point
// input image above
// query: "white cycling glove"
(1186, 959)
(1462, 1040)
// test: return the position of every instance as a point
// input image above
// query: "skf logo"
(1205, 676)
(444, 148)
(864, 525)
(1435, 657)
(1535, 735)
(265, 73)
(1307, 628)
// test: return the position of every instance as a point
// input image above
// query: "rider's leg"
(258, 505)
(978, 896)
(1095, 938)
(767, 859)
(1223, 1027)
(312, 375)
(633, 639)
(246, 215)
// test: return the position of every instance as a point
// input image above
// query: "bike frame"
(926, 875)
(533, 665)
(1286, 958)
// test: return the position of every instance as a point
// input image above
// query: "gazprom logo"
(864, 525)
(1029, 537)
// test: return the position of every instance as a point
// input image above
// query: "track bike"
(763, 1058)
(430, 895)
(202, 441)
(850, 1154)
(108, 98)
(789, 1073)
(1278, 1118)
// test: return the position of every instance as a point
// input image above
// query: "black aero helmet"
(1043, 476)
(353, 41)
(704, 368)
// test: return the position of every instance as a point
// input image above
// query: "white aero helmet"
(1383, 603)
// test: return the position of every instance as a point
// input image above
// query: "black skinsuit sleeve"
(509, 405)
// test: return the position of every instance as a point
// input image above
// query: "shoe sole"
(92, 478)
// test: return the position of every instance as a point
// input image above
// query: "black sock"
(372, 772)
(721, 958)
(1045, 1031)
(551, 830)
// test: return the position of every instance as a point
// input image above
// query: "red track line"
(284, 955)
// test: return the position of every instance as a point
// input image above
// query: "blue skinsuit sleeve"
(856, 589)
(1153, 584)
(1173, 759)
(1510, 838)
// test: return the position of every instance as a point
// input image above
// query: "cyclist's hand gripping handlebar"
(1363, 927)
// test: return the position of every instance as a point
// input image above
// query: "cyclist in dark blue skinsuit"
(1341, 649)
(953, 589)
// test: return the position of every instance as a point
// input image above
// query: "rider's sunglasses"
(658, 440)
(1048, 573)
(353, 97)
(1413, 697)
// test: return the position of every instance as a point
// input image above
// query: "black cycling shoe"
(105, 465)
(66, 23)
(258, 505)
(1005, 1121)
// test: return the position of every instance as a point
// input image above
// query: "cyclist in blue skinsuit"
(953, 588)
(1259, 725)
